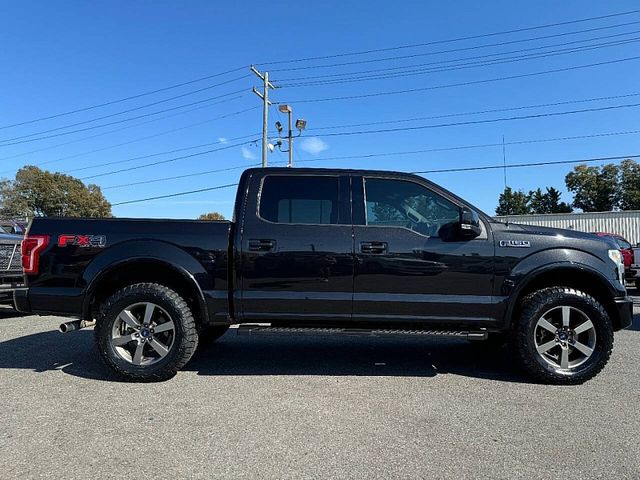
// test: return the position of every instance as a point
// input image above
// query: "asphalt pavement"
(291, 406)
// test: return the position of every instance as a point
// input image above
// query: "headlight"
(616, 256)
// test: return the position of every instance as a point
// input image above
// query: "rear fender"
(127, 254)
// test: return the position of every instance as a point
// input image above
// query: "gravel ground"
(296, 407)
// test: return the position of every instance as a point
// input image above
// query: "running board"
(266, 329)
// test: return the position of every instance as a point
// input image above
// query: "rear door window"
(300, 199)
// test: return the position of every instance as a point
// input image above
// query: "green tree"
(36, 192)
(548, 202)
(629, 184)
(211, 216)
(595, 189)
(513, 203)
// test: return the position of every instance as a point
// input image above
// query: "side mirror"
(469, 224)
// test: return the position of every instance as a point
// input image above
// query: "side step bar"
(267, 329)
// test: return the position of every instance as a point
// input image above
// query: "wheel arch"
(125, 272)
(578, 276)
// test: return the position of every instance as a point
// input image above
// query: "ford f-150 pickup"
(330, 250)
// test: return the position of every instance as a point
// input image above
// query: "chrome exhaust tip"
(75, 325)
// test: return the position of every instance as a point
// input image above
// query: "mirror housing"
(469, 226)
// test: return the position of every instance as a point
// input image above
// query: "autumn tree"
(36, 192)
(211, 216)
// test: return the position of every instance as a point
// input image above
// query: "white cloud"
(223, 140)
(313, 145)
(248, 154)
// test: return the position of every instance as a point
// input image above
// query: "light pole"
(300, 125)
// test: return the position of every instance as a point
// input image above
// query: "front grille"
(10, 260)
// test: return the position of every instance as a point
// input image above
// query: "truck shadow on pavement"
(282, 354)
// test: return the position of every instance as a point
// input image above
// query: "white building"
(625, 223)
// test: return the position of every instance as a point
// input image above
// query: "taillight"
(31, 248)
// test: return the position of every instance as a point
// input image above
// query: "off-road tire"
(532, 308)
(186, 333)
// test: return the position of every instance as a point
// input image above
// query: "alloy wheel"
(565, 337)
(143, 334)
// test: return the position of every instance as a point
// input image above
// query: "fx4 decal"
(84, 241)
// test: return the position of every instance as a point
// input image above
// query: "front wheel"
(563, 336)
(146, 332)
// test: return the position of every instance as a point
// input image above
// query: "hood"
(561, 233)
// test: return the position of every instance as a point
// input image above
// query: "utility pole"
(265, 110)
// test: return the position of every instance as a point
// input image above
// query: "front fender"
(564, 260)
(136, 251)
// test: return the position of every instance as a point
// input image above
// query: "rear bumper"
(21, 300)
(624, 305)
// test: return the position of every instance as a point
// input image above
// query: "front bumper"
(624, 306)
(7, 287)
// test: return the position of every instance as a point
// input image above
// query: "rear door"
(408, 266)
(297, 249)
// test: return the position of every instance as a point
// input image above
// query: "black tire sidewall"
(593, 310)
(164, 298)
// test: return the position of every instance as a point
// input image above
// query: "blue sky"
(62, 56)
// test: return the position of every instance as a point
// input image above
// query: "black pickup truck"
(330, 250)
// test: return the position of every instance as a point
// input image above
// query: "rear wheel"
(563, 336)
(146, 332)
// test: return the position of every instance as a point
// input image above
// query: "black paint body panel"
(319, 274)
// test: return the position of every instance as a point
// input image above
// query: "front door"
(297, 249)
(410, 267)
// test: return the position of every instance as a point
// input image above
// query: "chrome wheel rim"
(565, 337)
(143, 334)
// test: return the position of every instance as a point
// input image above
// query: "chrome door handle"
(262, 245)
(373, 247)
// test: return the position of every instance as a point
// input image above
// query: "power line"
(485, 167)
(395, 48)
(160, 162)
(114, 131)
(475, 57)
(177, 177)
(112, 102)
(232, 114)
(479, 112)
(471, 147)
(460, 84)
(142, 157)
(477, 122)
(121, 112)
(461, 66)
(531, 164)
(116, 122)
(386, 154)
(451, 40)
(460, 49)
(176, 194)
